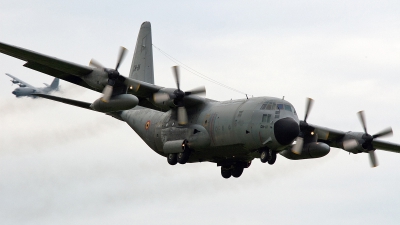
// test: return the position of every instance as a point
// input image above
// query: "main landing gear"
(234, 170)
(268, 156)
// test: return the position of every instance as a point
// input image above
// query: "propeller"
(298, 147)
(178, 96)
(367, 140)
(113, 74)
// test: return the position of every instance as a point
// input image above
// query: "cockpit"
(278, 106)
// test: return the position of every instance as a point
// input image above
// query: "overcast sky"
(65, 165)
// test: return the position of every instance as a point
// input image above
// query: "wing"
(81, 75)
(335, 138)
(52, 66)
(76, 103)
(20, 81)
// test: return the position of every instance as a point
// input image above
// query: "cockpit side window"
(271, 106)
(288, 108)
(264, 106)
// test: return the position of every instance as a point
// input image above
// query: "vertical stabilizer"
(142, 63)
(54, 84)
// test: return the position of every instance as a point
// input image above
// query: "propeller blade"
(362, 120)
(372, 157)
(298, 147)
(121, 56)
(350, 144)
(161, 97)
(182, 116)
(309, 104)
(386, 132)
(196, 91)
(96, 64)
(177, 77)
(107, 92)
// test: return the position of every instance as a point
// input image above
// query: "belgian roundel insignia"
(147, 125)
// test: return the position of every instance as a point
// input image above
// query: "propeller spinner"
(178, 97)
(113, 74)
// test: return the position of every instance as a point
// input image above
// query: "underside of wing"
(76, 103)
(382, 145)
(41, 59)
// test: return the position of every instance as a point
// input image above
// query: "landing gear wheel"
(272, 157)
(264, 157)
(183, 157)
(172, 159)
(237, 171)
(226, 172)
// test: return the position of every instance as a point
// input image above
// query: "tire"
(226, 173)
(172, 159)
(237, 171)
(183, 157)
(272, 158)
(264, 156)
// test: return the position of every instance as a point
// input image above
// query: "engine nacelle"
(352, 142)
(116, 103)
(310, 151)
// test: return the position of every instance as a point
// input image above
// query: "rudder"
(142, 63)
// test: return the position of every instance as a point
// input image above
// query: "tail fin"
(54, 84)
(142, 63)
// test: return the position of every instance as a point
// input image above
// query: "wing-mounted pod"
(307, 145)
(115, 103)
(309, 151)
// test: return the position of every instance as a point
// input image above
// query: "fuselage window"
(271, 106)
(266, 118)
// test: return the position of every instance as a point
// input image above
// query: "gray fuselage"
(229, 130)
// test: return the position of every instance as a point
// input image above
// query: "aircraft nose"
(14, 92)
(286, 130)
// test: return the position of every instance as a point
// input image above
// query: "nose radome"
(286, 130)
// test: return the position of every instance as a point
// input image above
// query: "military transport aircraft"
(26, 89)
(187, 128)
